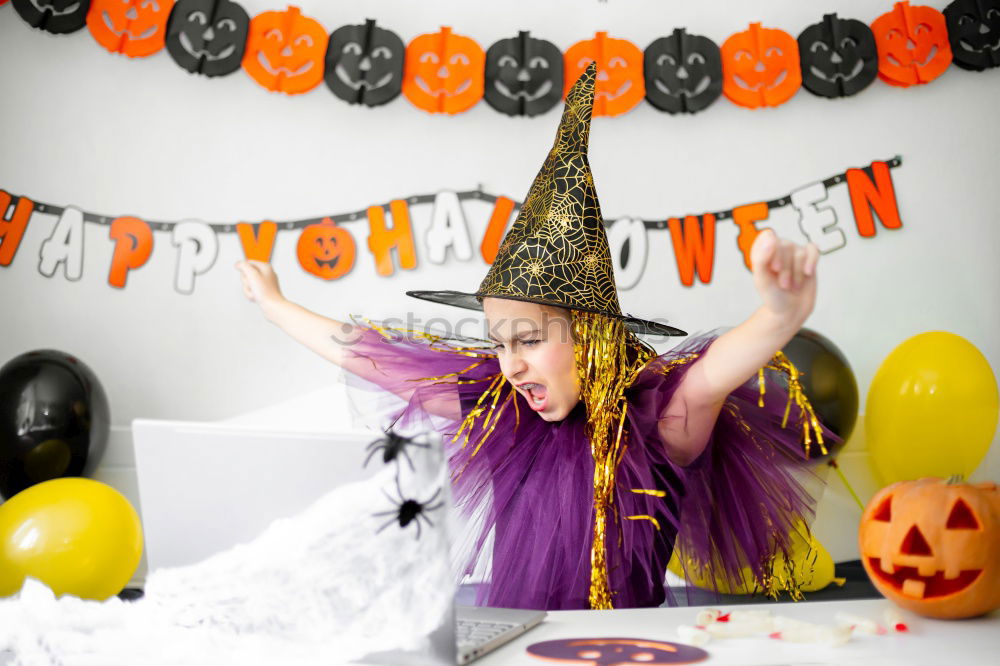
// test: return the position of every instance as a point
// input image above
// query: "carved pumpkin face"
(524, 75)
(326, 250)
(760, 67)
(912, 43)
(364, 64)
(208, 36)
(974, 33)
(135, 28)
(683, 72)
(56, 16)
(285, 51)
(444, 72)
(838, 57)
(612, 651)
(933, 547)
(620, 84)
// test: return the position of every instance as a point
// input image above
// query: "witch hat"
(556, 252)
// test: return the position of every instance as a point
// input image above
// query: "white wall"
(120, 136)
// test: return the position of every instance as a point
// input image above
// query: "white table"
(932, 642)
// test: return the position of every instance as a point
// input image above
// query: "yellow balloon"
(932, 409)
(812, 565)
(78, 536)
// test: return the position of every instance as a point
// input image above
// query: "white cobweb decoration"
(320, 587)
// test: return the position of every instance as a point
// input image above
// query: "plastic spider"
(409, 510)
(391, 446)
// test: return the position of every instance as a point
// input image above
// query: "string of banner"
(445, 72)
(327, 250)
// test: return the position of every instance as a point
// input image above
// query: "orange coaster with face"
(933, 546)
(760, 67)
(444, 72)
(913, 44)
(620, 83)
(135, 28)
(285, 51)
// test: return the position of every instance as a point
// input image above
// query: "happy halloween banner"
(327, 248)
(446, 72)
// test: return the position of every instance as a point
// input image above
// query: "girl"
(586, 457)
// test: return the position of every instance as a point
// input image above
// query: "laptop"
(205, 487)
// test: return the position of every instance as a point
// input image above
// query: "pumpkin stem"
(955, 478)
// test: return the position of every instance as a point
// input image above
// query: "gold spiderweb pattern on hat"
(557, 251)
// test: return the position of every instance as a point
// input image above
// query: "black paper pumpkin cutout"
(974, 33)
(364, 64)
(838, 57)
(207, 36)
(683, 72)
(56, 16)
(524, 75)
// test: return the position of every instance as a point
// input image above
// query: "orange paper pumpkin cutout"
(913, 44)
(620, 83)
(933, 547)
(760, 67)
(326, 250)
(285, 51)
(444, 72)
(135, 28)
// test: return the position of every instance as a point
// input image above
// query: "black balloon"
(207, 37)
(683, 72)
(524, 75)
(829, 383)
(838, 57)
(56, 16)
(54, 419)
(974, 33)
(364, 64)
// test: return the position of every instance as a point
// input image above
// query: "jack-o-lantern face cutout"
(326, 250)
(974, 33)
(760, 67)
(838, 57)
(135, 28)
(444, 72)
(620, 85)
(683, 72)
(207, 36)
(612, 651)
(912, 44)
(364, 64)
(524, 75)
(56, 16)
(933, 547)
(285, 51)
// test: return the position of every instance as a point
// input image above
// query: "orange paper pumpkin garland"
(135, 28)
(620, 83)
(285, 51)
(444, 72)
(933, 546)
(913, 44)
(760, 67)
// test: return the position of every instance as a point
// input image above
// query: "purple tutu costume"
(531, 480)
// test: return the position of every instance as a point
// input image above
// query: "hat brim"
(474, 302)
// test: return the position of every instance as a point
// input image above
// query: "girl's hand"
(260, 283)
(785, 276)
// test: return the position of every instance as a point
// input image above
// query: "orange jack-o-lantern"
(135, 28)
(620, 84)
(933, 546)
(285, 51)
(326, 250)
(760, 67)
(444, 72)
(912, 43)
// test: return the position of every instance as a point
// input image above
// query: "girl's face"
(534, 344)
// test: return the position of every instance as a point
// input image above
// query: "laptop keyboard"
(474, 633)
